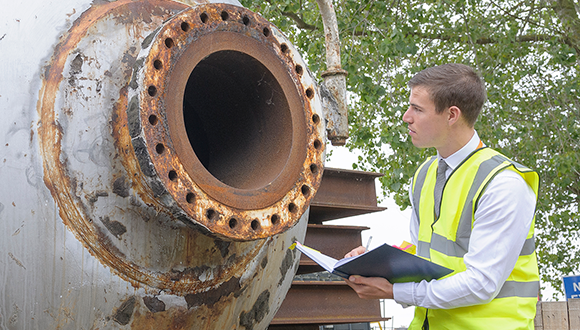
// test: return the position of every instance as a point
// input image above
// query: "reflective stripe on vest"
(453, 249)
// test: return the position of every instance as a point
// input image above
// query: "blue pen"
(368, 243)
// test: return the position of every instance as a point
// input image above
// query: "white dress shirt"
(502, 222)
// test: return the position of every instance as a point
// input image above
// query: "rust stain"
(15, 314)
(183, 281)
(122, 138)
(194, 2)
(17, 230)
(16, 260)
(175, 318)
(164, 153)
(212, 296)
(230, 259)
(202, 317)
(56, 178)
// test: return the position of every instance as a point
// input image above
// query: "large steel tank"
(156, 161)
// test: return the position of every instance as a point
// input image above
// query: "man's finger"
(355, 252)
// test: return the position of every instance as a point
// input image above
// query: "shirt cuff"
(403, 293)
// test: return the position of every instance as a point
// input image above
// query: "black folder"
(385, 261)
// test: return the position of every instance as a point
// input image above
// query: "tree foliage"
(527, 51)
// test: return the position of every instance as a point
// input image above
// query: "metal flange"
(225, 121)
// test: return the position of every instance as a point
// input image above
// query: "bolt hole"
(274, 219)
(172, 175)
(310, 93)
(185, 27)
(211, 214)
(152, 90)
(315, 119)
(284, 48)
(255, 225)
(160, 148)
(158, 64)
(317, 144)
(292, 208)
(233, 223)
(299, 69)
(313, 168)
(204, 18)
(169, 42)
(266, 32)
(305, 190)
(225, 15)
(153, 120)
(246, 20)
(190, 198)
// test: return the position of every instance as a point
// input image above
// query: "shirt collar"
(455, 159)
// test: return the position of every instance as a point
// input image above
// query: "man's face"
(426, 127)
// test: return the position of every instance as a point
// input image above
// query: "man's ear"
(454, 114)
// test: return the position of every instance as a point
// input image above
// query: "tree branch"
(564, 8)
(480, 41)
(567, 14)
(516, 17)
(522, 38)
(298, 20)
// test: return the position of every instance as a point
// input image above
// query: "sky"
(390, 226)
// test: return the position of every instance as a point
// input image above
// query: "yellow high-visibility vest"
(446, 240)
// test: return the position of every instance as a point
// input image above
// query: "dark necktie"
(439, 185)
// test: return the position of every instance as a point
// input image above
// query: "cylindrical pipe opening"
(228, 124)
(237, 119)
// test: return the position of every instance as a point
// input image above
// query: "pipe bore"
(237, 119)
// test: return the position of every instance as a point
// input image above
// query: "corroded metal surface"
(344, 193)
(316, 296)
(222, 117)
(323, 238)
(326, 302)
(99, 232)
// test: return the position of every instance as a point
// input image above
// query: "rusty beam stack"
(316, 297)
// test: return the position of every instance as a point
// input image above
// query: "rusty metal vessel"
(156, 161)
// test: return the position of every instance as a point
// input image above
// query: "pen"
(368, 243)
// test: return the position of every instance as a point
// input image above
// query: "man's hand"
(370, 287)
(355, 252)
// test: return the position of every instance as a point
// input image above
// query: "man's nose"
(407, 116)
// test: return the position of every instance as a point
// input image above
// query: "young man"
(473, 212)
